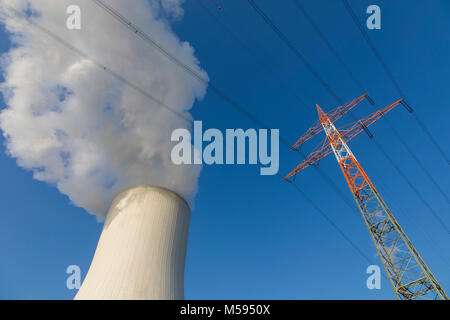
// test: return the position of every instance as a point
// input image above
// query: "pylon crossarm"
(347, 133)
(338, 112)
(351, 130)
(334, 115)
(321, 151)
(311, 132)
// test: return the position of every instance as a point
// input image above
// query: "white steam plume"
(79, 128)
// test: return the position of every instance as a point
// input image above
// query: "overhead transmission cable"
(393, 80)
(299, 55)
(294, 50)
(255, 58)
(138, 89)
(329, 45)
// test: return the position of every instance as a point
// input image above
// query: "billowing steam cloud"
(79, 128)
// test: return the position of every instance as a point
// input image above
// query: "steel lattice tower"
(408, 274)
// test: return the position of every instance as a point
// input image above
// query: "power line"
(392, 78)
(361, 88)
(419, 195)
(419, 228)
(297, 53)
(255, 58)
(328, 44)
(416, 159)
(331, 222)
(148, 95)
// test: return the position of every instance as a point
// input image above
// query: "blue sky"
(252, 236)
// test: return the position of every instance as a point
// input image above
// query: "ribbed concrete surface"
(142, 249)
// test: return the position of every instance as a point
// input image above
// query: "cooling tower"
(142, 248)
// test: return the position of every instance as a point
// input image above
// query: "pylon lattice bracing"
(409, 276)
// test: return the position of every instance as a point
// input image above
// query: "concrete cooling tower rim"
(151, 186)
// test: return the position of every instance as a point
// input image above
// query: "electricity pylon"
(408, 274)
